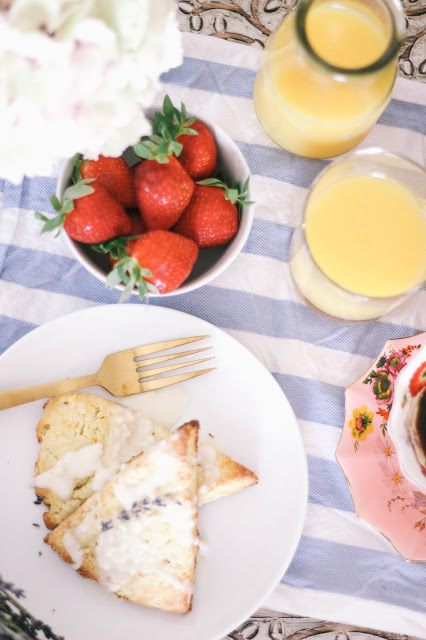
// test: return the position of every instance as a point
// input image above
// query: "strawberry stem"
(128, 272)
(76, 175)
(235, 193)
(77, 190)
(116, 247)
(167, 126)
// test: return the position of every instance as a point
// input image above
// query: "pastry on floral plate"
(383, 497)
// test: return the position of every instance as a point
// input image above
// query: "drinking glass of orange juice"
(365, 201)
(327, 74)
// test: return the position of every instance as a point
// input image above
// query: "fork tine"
(159, 383)
(170, 356)
(160, 346)
(170, 367)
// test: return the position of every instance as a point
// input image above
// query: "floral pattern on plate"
(382, 496)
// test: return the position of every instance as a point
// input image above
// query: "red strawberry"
(121, 247)
(138, 225)
(163, 191)
(97, 217)
(210, 220)
(114, 175)
(169, 256)
(159, 261)
(199, 153)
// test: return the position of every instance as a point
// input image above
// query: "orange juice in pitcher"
(327, 74)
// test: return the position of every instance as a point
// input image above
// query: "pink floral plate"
(382, 496)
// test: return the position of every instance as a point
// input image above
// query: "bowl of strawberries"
(167, 216)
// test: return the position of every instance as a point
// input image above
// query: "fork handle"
(22, 395)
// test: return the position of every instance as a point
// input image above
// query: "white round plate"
(251, 536)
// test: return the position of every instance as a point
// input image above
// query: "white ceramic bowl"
(210, 262)
(402, 420)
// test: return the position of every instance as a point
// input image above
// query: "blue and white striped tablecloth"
(343, 570)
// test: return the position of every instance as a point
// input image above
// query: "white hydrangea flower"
(75, 76)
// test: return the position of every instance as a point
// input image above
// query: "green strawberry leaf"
(128, 290)
(55, 202)
(176, 148)
(116, 247)
(212, 182)
(188, 131)
(71, 193)
(40, 216)
(142, 288)
(129, 273)
(162, 159)
(169, 109)
(125, 268)
(152, 288)
(153, 148)
(78, 190)
(235, 193)
(145, 273)
(113, 279)
(143, 151)
(232, 195)
(67, 206)
(170, 124)
(156, 139)
(76, 175)
(50, 223)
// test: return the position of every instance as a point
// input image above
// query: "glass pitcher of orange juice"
(327, 74)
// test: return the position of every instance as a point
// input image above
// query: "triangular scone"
(85, 438)
(138, 536)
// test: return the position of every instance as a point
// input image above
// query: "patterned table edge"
(251, 21)
(271, 625)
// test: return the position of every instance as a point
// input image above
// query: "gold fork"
(120, 374)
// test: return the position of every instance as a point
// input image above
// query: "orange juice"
(326, 77)
(347, 222)
(361, 249)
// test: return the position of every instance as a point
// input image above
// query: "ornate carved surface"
(269, 625)
(251, 22)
